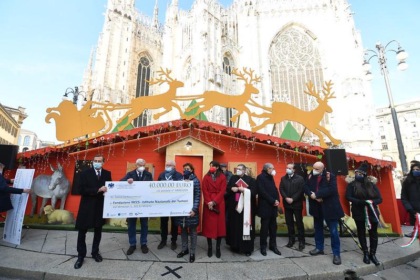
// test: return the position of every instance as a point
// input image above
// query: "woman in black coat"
(410, 192)
(364, 196)
(189, 224)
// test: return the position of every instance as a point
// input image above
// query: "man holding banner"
(170, 174)
(5, 191)
(139, 174)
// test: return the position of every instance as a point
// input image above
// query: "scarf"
(415, 232)
(367, 221)
(244, 204)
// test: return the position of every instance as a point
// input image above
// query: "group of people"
(230, 204)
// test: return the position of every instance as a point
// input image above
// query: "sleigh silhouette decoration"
(93, 119)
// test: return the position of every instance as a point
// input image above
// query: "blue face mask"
(416, 173)
(187, 174)
(360, 178)
(97, 165)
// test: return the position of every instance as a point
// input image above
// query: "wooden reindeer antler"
(250, 73)
(326, 90)
(162, 73)
(311, 90)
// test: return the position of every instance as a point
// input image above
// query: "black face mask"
(359, 178)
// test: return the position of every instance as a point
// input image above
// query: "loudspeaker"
(336, 161)
(8, 154)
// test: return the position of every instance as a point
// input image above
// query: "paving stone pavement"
(51, 254)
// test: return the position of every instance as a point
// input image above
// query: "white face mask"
(273, 172)
(239, 172)
(140, 169)
(289, 171)
(168, 168)
(315, 172)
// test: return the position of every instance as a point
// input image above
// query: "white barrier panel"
(12, 232)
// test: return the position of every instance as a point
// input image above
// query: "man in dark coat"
(5, 191)
(138, 174)
(324, 204)
(170, 174)
(291, 189)
(92, 189)
(235, 228)
(268, 202)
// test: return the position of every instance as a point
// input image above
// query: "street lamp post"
(76, 93)
(402, 65)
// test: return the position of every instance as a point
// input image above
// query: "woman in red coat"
(214, 224)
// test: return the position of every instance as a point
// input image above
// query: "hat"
(223, 165)
(363, 168)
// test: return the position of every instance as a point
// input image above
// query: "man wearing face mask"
(324, 204)
(170, 174)
(291, 189)
(268, 202)
(138, 174)
(92, 189)
(410, 193)
(5, 191)
(240, 231)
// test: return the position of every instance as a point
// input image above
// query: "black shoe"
(192, 258)
(374, 259)
(78, 263)
(173, 245)
(218, 253)
(247, 254)
(162, 244)
(263, 251)
(315, 252)
(210, 252)
(275, 250)
(144, 249)
(97, 257)
(183, 253)
(130, 250)
(301, 246)
(336, 260)
(366, 258)
(290, 244)
(409, 235)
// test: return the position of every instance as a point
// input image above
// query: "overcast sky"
(45, 47)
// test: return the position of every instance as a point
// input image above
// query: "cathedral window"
(295, 60)
(142, 87)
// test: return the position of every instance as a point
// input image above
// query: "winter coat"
(170, 176)
(410, 194)
(214, 223)
(5, 191)
(144, 176)
(358, 204)
(292, 187)
(92, 203)
(330, 207)
(267, 195)
(192, 221)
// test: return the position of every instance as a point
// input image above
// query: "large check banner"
(148, 199)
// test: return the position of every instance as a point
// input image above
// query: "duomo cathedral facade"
(286, 42)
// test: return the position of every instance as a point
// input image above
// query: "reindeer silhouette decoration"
(164, 100)
(238, 102)
(281, 111)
